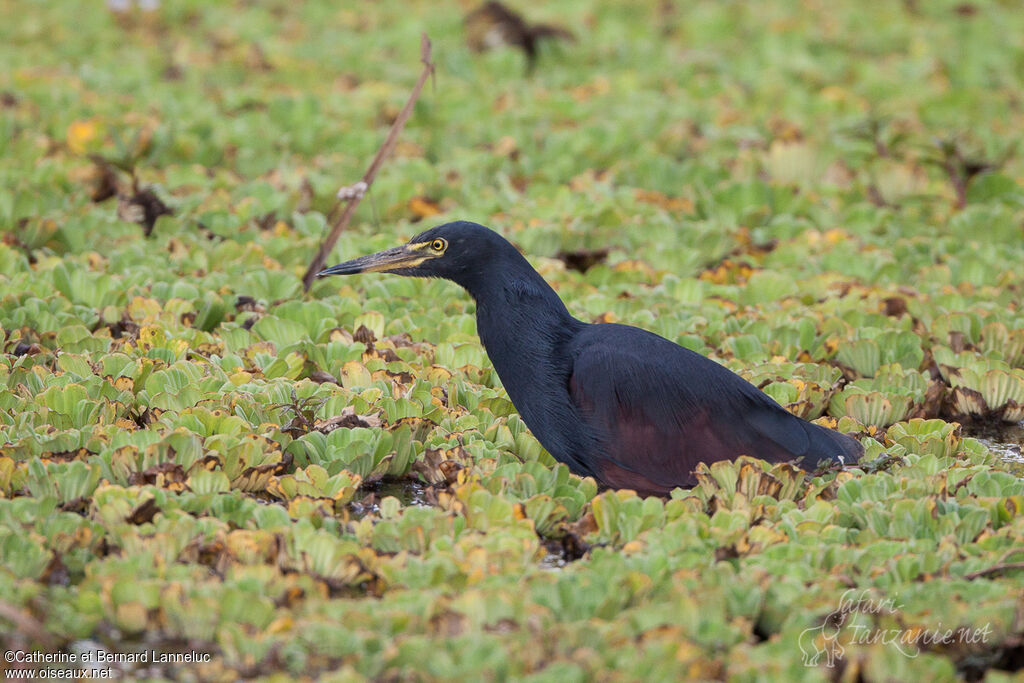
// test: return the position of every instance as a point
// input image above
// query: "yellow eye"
(438, 245)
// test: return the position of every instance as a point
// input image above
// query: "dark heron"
(620, 404)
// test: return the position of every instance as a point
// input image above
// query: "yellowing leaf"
(506, 146)
(664, 201)
(80, 134)
(424, 207)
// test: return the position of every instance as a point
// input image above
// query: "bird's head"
(460, 251)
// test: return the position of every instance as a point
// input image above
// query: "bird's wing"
(659, 409)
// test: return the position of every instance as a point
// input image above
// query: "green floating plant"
(804, 389)
(66, 482)
(741, 483)
(621, 516)
(314, 482)
(21, 555)
(1008, 343)
(997, 392)
(367, 453)
(935, 437)
(876, 348)
(888, 397)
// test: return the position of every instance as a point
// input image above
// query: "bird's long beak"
(382, 261)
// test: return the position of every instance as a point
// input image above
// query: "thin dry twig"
(25, 624)
(355, 193)
(995, 569)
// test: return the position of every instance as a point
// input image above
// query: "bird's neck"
(526, 330)
(524, 308)
(517, 309)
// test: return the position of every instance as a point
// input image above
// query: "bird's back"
(658, 409)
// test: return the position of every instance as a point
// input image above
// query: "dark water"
(407, 491)
(554, 558)
(1006, 439)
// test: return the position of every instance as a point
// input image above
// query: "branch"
(26, 625)
(996, 569)
(351, 196)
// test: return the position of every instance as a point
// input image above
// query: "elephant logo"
(823, 640)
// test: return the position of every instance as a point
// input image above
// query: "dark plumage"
(611, 401)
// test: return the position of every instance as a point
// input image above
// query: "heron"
(611, 401)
